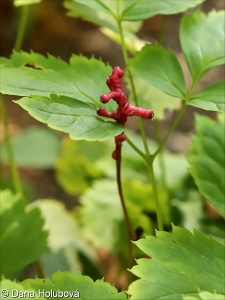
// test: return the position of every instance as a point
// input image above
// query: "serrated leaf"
(22, 238)
(159, 67)
(77, 166)
(25, 2)
(180, 264)
(202, 39)
(71, 116)
(207, 160)
(28, 74)
(140, 10)
(11, 289)
(151, 97)
(41, 144)
(84, 285)
(210, 98)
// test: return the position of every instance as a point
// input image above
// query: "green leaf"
(140, 10)
(72, 116)
(106, 12)
(210, 98)
(160, 68)
(65, 240)
(207, 160)
(180, 264)
(205, 296)
(151, 97)
(25, 2)
(67, 282)
(22, 237)
(11, 289)
(27, 74)
(41, 144)
(202, 40)
(96, 12)
(77, 166)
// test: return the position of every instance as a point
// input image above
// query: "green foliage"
(38, 155)
(203, 48)
(27, 74)
(106, 13)
(180, 264)
(207, 160)
(15, 220)
(77, 166)
(65, 240)
(160, 68)
(80, 286)
(210, 98)
(72, 116)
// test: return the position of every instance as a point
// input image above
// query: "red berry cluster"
(124, 109)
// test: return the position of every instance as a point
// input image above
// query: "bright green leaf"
(202, 40)
(27, 74)
(210, 98)
(180, 264)
(140, 10)
(22, 237)
(72, 116)
(207, 161)
(77, 166)
(35, 147)
(151, 97)
(160, 68)
(12, 290)
(67, 282)
(25, 2)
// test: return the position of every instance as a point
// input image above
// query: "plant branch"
(135, 147)
(126, 217)
(172, 128)
(14, 171)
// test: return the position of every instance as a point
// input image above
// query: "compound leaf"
(160, 68)
(210, 98)
(22, 238)
(106, 12)
(207, 160)
(71, 116)
(67, 282)
(180, 264)
(202, 40)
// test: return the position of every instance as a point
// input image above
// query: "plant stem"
(135, 147)
(148, 156)
(22, 27)
(155, 191)
(126, 217)
(14, 171)
(176, 121)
